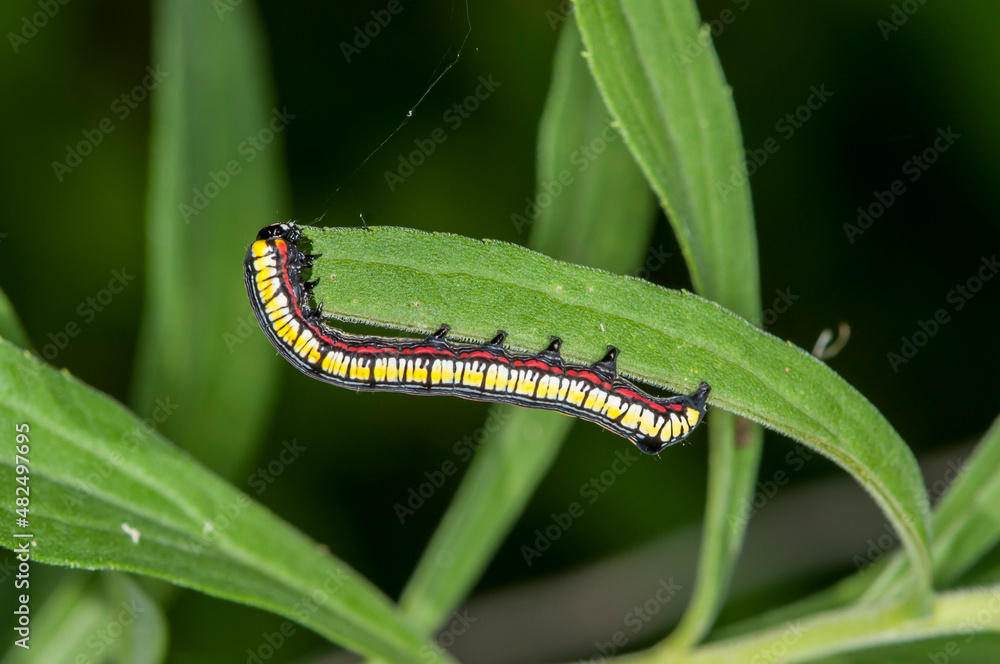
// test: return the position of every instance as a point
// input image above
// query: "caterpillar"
(483, 372)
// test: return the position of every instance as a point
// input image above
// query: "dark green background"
(61, 240)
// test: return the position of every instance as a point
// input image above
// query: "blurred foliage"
(62, 240)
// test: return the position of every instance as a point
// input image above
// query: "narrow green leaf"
(409, 280)
(113, 495)
(595, 207)
(678, 117)
(215, 168)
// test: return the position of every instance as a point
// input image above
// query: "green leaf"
(678, 117)
(680, 122)
(109, 494)
(600, 215)
(412, 280)
(209, 185)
